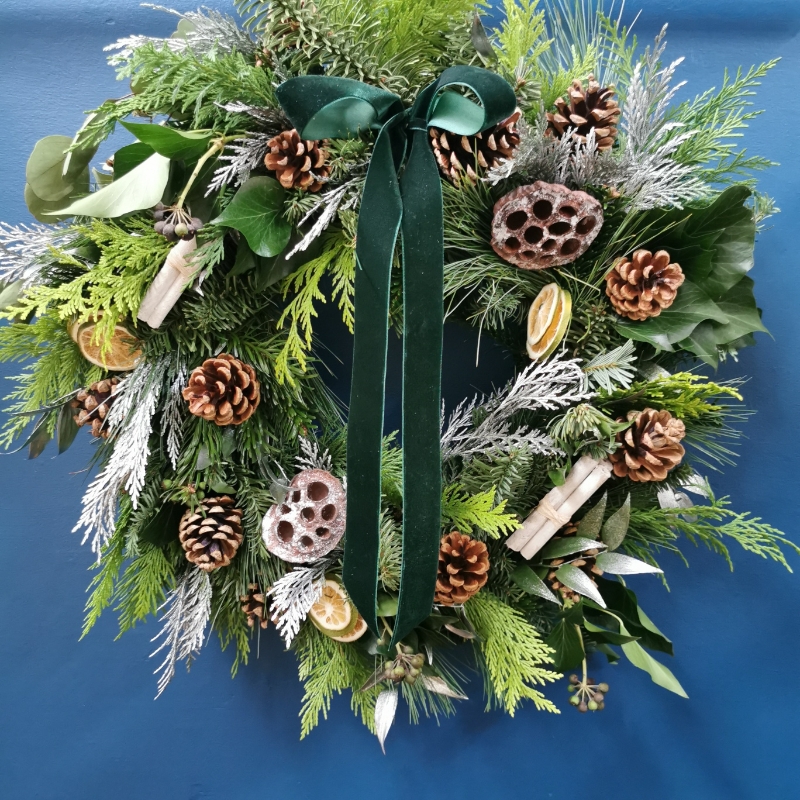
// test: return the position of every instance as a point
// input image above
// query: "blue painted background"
(78, 718)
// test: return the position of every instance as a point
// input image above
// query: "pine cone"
(463, 569)
(254, 606)
(641, 287)
(592, 108)
(465, 156)
(223, 390)
(292, 159)
(92, 405)
(650, 448)
(211, 535)
(585, 561)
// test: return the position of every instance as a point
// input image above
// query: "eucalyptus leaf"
(385, 709)
(170, 142)
(592, 521)
(256, 211)
(660, 675)
(10, 294)
(39, 439)
(527, 580)
(141, 188)
(567, 546)
(481, 42)
(66, 428)
(616, 526)
(203, 458)
(42, 210)
(437, 685)
(618, 564)
(228, 442)
(577, 580)
(45, 172)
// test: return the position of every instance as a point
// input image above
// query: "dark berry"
(197, 223)
(159, 226)
(159, 215)
(602, 687)
(573, 679)
(583, 708)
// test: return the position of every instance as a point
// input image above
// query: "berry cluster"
(407, 667)
(175, 223)
(586, 694)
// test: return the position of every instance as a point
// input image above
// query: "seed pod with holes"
(309, 523)
(544, 225)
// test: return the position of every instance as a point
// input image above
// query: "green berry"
(602, 687)
(410, 680)
(418, 661)
(592, 705)
(398, 673)
(575, 700)
(572, 688)
(181, 229)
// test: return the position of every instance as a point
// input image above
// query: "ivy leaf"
(739, 305)
(162, 527)
(617, 564)
(616, 526)
(530, 582)
(141, 188)
(66, 428)
(567, 642)
(169, 142)
(567, 546)
(126, 158)
(256, 211)
(592, 520)
(579, 582)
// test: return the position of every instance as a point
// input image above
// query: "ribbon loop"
(323, 107)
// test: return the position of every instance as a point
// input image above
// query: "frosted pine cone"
(650, 447)
(223, 390)
(211, 535)
(463, 569)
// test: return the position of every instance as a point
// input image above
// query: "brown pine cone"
(585, 561)
(463, 569)
(650, 447)
(465, 156)
(223, 390)
(292, 159)
(211, 535)
(592, 108)
(254, 605)
(641, 287)
(93, 404)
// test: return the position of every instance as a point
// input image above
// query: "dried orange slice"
(542, 311)
(333, 613)
(557, 323)
(122, 355)
(357, 632)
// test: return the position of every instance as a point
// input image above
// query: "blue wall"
(78, 718)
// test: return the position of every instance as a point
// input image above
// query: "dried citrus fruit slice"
(333, 613)
(122, 355)
(556, 330)
(357, 632)
(543, 309)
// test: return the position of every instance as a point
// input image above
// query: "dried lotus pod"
(544, 225)
(309, 523)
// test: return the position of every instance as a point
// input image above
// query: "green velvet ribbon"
(409, 207)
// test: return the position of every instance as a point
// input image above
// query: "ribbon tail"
(378, 227)
(423, 267)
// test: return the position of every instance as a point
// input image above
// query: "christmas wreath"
(412, 162)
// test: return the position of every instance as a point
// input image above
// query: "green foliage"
(717, 117)
(337, 257)
(511, 654)
(58, 369)
(143, 587)
(465, 512)
(327, 668)
(513, 477)
(187, 87)
(584, 429)
(130, 257)
(391, 553)
(654, 529)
